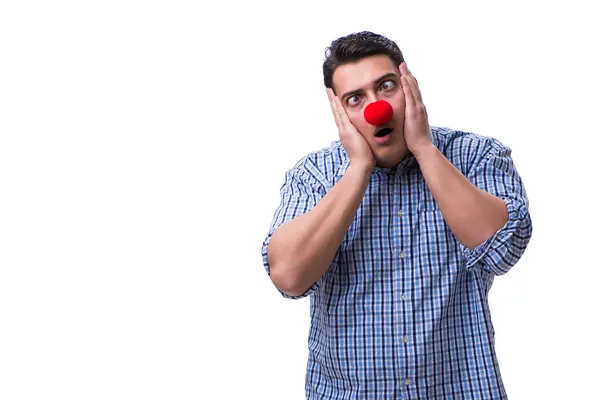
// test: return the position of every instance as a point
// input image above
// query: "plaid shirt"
(402, 312)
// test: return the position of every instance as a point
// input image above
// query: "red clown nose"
(378, 113)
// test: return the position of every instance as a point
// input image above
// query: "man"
(397, 240)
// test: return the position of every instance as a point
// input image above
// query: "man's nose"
(372, 98)
(378, 112)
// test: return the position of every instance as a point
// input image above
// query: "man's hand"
(416, 121)
(356, 146)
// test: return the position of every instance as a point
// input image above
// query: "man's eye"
(353, 100)
(388, 85)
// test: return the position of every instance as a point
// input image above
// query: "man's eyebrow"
(377, 81)
(385, 77)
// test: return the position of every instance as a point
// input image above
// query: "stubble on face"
(362, 82)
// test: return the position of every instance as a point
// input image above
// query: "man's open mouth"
(383, 132)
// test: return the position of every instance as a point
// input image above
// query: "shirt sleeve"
(299, 193)
(496, 174)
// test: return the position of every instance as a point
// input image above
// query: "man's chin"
(391, 157)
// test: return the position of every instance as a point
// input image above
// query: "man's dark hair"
(355, 46)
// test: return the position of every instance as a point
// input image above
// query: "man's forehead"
(362, 73)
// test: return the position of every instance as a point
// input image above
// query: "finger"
(333, 106)
(408, 95)
(343, 115)
(414, 85)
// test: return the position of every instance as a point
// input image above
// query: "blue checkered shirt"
(402, 312)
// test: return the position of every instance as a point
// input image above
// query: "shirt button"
(405, 339)
(401, 213)
(403, 297)
(402, 255)
(406, 381)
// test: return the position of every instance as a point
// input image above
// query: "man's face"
(363, 82)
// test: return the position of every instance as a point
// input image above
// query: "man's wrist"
(365, 166)
(361, 168)
(424, 151)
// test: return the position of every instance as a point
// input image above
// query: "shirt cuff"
(492, 254)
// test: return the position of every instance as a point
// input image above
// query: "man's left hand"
(416, 122)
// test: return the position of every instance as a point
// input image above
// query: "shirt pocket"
(426, 200)
(439, 258)
(441, 255)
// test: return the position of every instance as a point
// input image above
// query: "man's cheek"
(399, 107)
(358, 121)
(363, 127)
(399, 113)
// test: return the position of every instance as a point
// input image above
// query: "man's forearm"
(301, 250)
(472, 214)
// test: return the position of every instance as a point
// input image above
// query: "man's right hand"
(356, 146)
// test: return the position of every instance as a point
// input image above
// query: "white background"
(142, 149)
